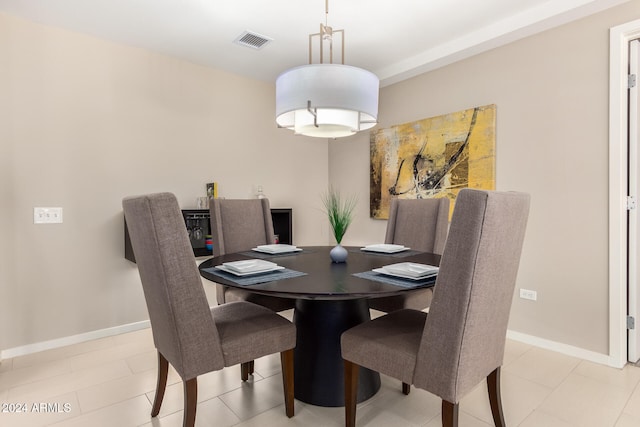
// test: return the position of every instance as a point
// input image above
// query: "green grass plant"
(340, 212)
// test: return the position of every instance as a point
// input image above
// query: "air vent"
(252, 40)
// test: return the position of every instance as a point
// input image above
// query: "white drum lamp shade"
(327, 100)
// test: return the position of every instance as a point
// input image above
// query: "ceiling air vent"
(252, 40)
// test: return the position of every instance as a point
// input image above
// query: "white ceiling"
(394, 39)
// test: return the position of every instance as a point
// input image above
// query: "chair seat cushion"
(248, 331)
(273, 303)
(418, 299)
(388, 344)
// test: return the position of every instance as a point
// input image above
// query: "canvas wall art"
(432, 158)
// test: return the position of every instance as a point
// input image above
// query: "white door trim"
(633, 301)
(619, 38)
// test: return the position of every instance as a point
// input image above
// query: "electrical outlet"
(528, 294)
(47, 215)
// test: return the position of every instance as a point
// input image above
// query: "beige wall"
(6, 191)
(551, 92)
(83, 123)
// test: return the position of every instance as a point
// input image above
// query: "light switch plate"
(47, 215)
(528, 294)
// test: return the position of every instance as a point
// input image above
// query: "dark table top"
(325, 280)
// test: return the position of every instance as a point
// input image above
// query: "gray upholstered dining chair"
(187, 334)
(238, 225)
(461, 341)
(420, 224)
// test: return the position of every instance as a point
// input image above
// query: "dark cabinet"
(197, 222)
(283, 225)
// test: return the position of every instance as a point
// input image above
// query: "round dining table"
(330, 298)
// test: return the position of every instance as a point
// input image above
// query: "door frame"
(633, 216)
(619, 38)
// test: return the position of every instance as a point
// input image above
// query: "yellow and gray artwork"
(433, 158)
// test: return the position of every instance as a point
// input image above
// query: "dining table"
(330, 298)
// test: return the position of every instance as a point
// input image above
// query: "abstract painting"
(433, 158)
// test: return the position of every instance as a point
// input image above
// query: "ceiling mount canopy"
(327, 100)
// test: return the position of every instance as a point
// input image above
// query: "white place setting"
(408, 270)
(248, 267)
(278, 248)
(385, 248)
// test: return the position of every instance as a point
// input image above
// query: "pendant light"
(327, 100)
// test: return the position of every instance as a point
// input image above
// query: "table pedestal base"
(319, 369)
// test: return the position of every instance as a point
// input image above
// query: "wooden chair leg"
(406, 388)
(251, 367)
(286, 359)
(351, 371)
(161, 385)
(493, 387)
(244, 371)
(449, 414)
(190, 402)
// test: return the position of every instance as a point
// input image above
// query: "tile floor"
(111, 382)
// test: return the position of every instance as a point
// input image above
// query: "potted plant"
(340, 213)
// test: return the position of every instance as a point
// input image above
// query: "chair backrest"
(181, 322)
(419, 224)
(464, 336)
(239, 225)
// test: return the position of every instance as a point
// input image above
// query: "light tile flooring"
(111, 382)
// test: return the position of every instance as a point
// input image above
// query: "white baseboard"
(74, 339)
(569, 350)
